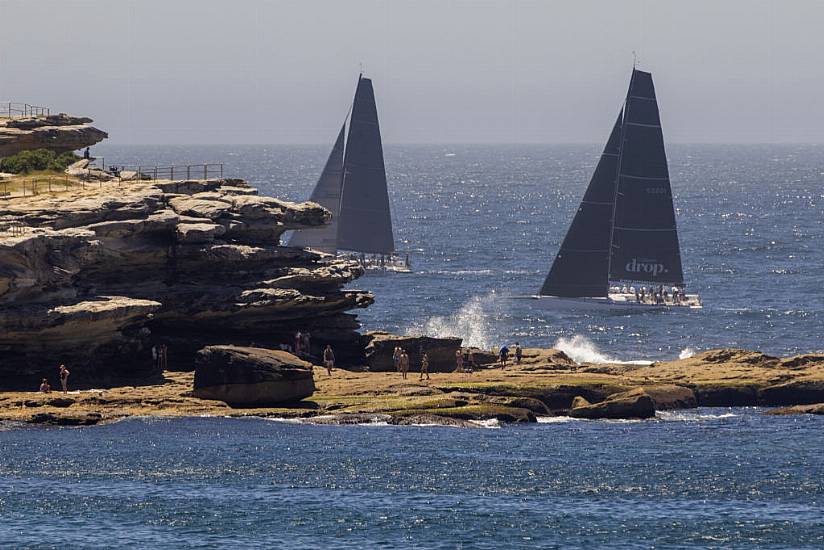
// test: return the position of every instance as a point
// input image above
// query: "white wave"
(581, 350)
(690, 416)
(556, 419)
(470, 322)
(686, 353)
(491, 423)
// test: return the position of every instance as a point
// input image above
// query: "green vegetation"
(37, 160)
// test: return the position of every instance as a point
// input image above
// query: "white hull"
(616, 302)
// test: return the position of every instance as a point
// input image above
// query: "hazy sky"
(238, 71)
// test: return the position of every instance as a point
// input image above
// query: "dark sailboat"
(624, 232)
(353, 188)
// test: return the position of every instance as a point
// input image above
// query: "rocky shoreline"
(546, 383)
(101, 278)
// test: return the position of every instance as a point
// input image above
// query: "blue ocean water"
(484, 222)
(712, 478)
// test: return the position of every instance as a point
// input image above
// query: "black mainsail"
(353, 187)
(644, 234)
(327, 193)
(365, 223)
(580, 269)
(625, 227)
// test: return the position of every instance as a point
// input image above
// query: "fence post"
(221, 170)
(188, 171)
(173, 173)
(155, 174)
(205, 175)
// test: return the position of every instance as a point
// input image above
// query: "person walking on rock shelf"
(396, 358)
(503, 355)
(518, 353)
(459, 361)
(424, 366)
(64, 378)
(404, 363)
(298, 343)
(328, 359)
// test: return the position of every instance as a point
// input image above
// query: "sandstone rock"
(817, 408)
(382, 345)
(431, 420)
(88, 418)
(247, 377)
(59, 133)
(206, 282)
(631, 404)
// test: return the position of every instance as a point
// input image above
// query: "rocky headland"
(95, 278)
(59, 133)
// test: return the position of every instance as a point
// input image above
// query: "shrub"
(36, 159)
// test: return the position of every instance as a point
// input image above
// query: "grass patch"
(27, 162)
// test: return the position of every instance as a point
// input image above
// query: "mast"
(327, 193)
(644, 242)
(581, 266)
(365, 221)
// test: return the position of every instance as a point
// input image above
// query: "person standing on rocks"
(404, 363)
(396, 358)
(424, 366)
(503, 355)
(519, 353)
(328, 359)
(298, 343)
(64, 378)
(45, 387)
(459, 361)
(164, 357)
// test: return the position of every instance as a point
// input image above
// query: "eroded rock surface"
(59, 133)
(97, 277)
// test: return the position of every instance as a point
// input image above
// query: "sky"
(444, 71)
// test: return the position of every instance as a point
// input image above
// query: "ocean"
(707, 478)
(482, 224)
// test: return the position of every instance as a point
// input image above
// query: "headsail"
(582, 264)
(327, 193)
(365, 223)
(644, 235)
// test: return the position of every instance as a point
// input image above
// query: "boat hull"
(615, 302)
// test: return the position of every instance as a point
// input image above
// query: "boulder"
(632, 404)
(817, 408)
(251, 377)
(381, 346)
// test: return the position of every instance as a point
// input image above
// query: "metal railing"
(54, 183)
(37, 185)
(187, 171)
(12, 225)
(10, 109)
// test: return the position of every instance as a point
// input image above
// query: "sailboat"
(622, 247)
(353, 188)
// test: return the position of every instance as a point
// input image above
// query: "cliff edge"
(58, 133)
(95, 278)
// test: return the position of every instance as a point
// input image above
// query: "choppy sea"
(481, 224)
